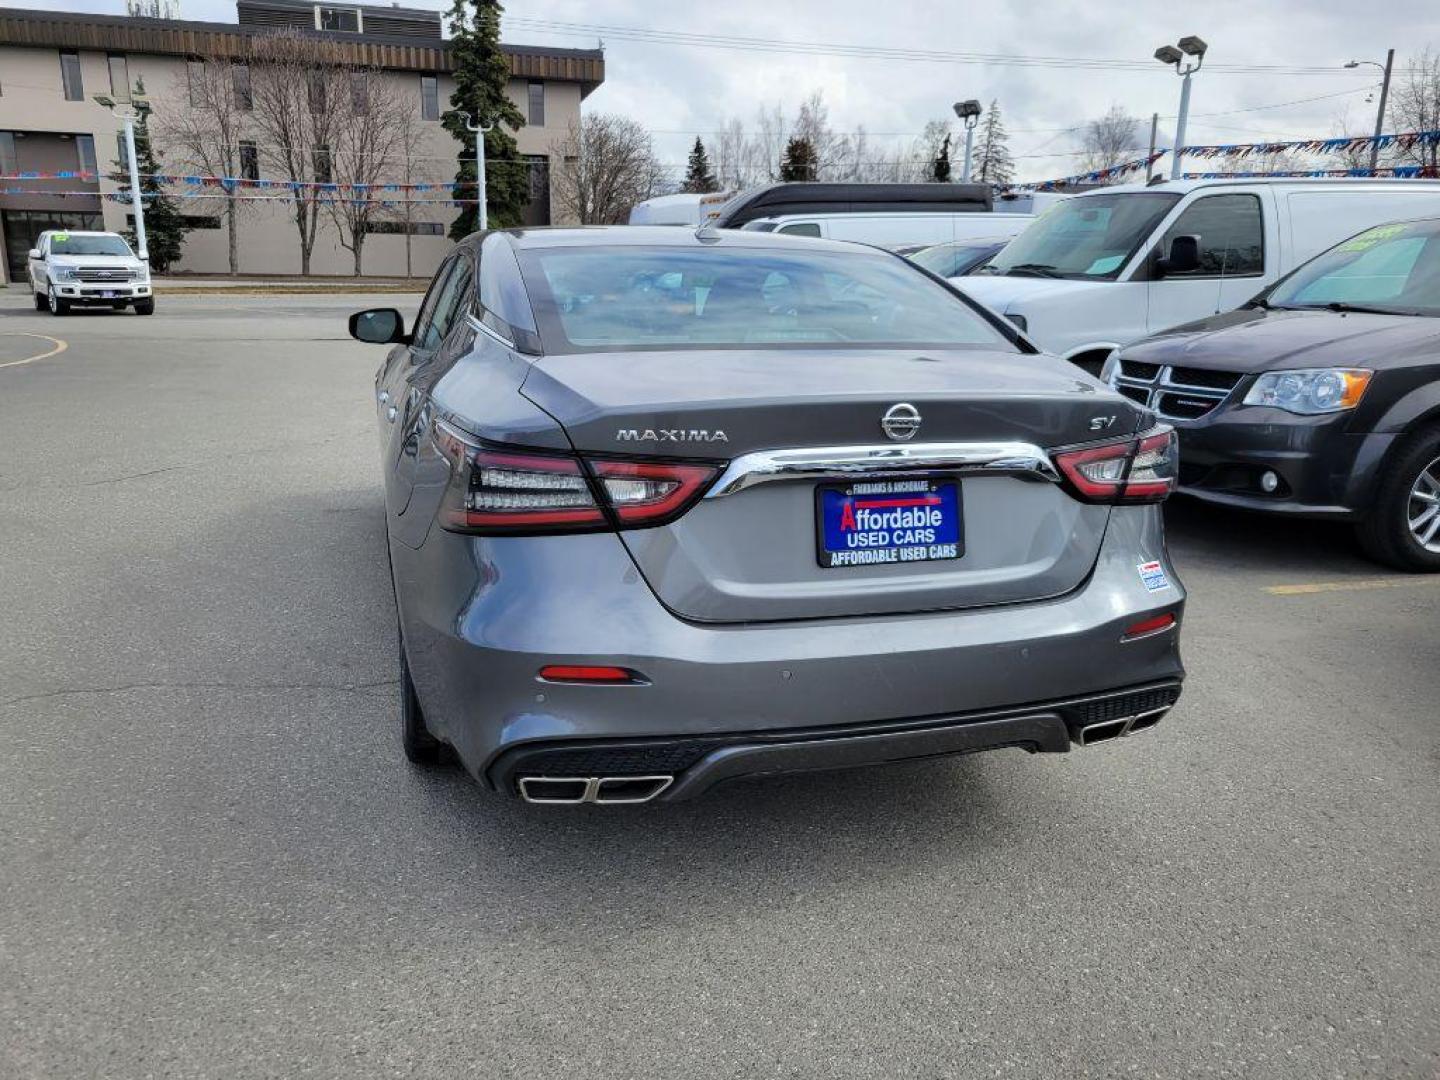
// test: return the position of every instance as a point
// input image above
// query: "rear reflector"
(1149, 626)
(587, 673)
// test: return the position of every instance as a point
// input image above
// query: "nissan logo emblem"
(901, 422)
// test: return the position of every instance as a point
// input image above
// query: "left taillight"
(1136, 469)
(504, 490)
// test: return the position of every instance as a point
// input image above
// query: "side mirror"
(1184, 257)
(379, 326)
(34, 253)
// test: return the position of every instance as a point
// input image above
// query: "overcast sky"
(680, 90)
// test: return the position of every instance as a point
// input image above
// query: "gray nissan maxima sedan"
(666, 508)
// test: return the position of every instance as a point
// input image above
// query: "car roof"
(1183, 187)
(664, 236)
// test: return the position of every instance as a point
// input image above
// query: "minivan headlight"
(1310, 391)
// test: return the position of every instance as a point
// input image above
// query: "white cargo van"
(1102, 269)
(893, 230)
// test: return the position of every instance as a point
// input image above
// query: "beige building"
(52, 64)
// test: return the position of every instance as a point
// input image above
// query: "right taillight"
(505, 490)
(1136, 469)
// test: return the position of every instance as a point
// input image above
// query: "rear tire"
(1403, 527)
(419, 745)
(145, 307)
(40, 302)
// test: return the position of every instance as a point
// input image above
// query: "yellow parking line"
(1352, 586)
(59, 347)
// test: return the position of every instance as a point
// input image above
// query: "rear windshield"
(597, 299)
(70, 244)
(1387, 268)
(1090, 237)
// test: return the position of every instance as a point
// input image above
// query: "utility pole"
(1387, 68)
(1169, 55)
(1380, 115)
(1150, 157)
(969, 114)
(144, 253)
(137, 106)
(482, 216)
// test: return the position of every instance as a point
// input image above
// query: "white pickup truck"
(88, 268)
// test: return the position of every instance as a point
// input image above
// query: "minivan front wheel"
(1403, 527)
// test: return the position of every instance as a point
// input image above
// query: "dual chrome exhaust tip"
(605, 790)
(1120, 726)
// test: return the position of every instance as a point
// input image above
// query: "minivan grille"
(1175, 393)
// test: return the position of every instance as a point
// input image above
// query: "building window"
(195, 74)
(360, 92)
(85, 151)
(70, 76)
(122, 152)
(320, 158)
(9, 163)
(537, 103)
(397, 228)
(317, 94)
(345, 20)
(240, 80)
(119, 77)
(249, 161)
(429, 98)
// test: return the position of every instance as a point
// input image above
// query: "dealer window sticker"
(1370, 237)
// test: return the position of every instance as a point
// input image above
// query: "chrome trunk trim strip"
(819, 463)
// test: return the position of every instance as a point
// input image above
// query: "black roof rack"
(817, 198)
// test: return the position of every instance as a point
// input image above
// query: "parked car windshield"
(71, 244)
(1387, 268)
(950, 260)
(592, 299)
(1090, 236)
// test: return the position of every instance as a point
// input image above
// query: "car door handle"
(384, 396)
(391, 413)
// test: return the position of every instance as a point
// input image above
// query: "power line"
(727, 41)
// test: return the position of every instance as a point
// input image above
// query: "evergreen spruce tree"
(940, 167)
(481, 74)
(699, 180)
(799, 160)
(993, 164)
(165, 226)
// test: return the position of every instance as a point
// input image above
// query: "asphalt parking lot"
(215, 862)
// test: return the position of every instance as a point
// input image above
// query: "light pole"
(479, 130)
(138, 108)
(1170, 55)
(1387, 67)
(969, 114)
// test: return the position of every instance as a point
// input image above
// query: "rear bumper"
(481, 616)
(696, 765)
(1323, 470)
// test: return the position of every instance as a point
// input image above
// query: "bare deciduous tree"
(300, 91)
(609, 166)
(1415, 106)
(1110, 140)
(201, 127)
(374, 129)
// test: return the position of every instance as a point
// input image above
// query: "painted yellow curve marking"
(1356, 585)
(59, 347)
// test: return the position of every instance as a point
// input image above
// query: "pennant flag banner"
(1404, 141)
(89, 177)
(1099, 176)
(1406, 172)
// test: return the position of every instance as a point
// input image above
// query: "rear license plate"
(888, 521)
